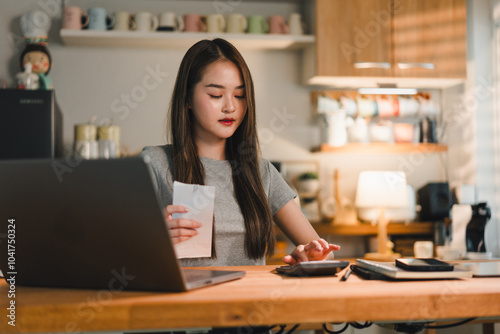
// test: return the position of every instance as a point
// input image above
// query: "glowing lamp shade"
(383, 190)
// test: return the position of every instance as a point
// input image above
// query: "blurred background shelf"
(404, 235)
(366, 229)
(181, 40)
(383, 148)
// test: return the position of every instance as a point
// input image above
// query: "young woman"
(214, 142)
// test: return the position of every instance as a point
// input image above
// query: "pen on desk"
(346, 275)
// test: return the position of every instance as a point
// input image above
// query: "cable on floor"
(459, 323)
(283, 327)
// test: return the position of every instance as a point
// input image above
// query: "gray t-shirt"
(229, 222)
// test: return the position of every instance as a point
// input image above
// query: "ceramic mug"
(194, 22)
(366, 107)
(335, 131)
(350, 105)
(404, 132)
(74, 18)
(99, 19)
(35, 24)
(386, 107)
(169, 21)
(295, 24)
(146, 21)
(257, 24)
(236, 24)
(423, 249)
(358, 131)
(408, 106)
(124, 21)
(381, 132)
(216, 23)
(427, 107)
(277, 25)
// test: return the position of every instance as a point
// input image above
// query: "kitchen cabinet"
(403, 42)
(429, 38)
(343, 47)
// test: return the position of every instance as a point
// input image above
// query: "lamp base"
(388, 257)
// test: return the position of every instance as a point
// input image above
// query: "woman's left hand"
(316, 250)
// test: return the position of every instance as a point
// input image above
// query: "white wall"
(496, 111)
(89, 80)
(481, 89)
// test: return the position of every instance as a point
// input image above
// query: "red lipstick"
(227, 121)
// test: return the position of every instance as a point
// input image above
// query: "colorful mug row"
(97, 18)
(381, 106)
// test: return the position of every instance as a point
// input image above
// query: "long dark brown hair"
(242, 148)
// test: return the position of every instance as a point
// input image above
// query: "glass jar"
(85, 141)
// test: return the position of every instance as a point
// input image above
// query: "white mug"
(358, 130)
(216, 23)
(423, 249)
(146, 21)
(169, 21)
(335, 130)
(124, 21)
(236, 24)
(381, 132)
(295, 24)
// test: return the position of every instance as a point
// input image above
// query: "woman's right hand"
(180, 229)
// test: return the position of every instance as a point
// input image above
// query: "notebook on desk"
(90, 224)
(376, 269)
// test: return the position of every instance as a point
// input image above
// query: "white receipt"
(200, 201)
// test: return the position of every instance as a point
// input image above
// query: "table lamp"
(383, 190)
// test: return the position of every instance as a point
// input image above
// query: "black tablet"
(313, 268)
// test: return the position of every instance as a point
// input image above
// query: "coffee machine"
(468, 224)
(474, 233)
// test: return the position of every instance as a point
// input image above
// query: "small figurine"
(35, 26)
(39, 57)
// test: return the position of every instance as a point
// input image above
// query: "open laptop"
(90, 224)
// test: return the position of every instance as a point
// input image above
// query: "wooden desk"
(260, 298)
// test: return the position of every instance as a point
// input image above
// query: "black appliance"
(435, 200)
(31, 125)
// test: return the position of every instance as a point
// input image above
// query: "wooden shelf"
(181, 40)
(383, 148)
(366, 229)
